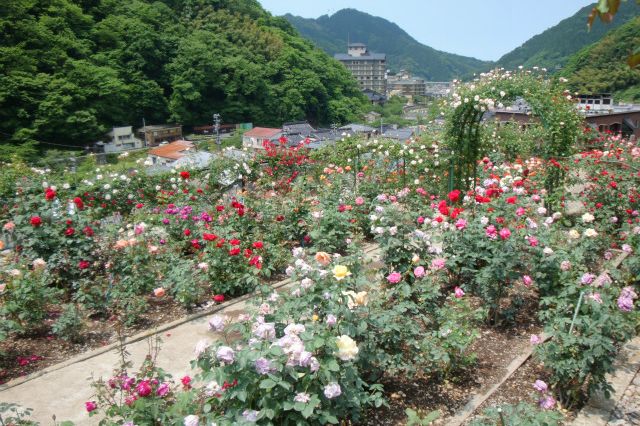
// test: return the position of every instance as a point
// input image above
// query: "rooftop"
(174, 150)
(262, 132)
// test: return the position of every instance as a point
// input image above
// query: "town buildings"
(121, 139)
(368, 68)
(404, 84)
(153, 135)
(169, 153)
(254, 138)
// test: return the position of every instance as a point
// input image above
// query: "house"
(368, 68)
(374, 97)
(402, 135)
(357, 128)
(169, 153)
(255, 137)
(301, 128)
(372, 117)
(153, 135)
(121, 139)
(404, 84)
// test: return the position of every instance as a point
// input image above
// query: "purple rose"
(225, 355)
(263, 366)
(332, 390)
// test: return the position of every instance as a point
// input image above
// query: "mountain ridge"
(403, 51)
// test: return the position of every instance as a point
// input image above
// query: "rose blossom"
(159, 292)
(527, 280)
(438, 263)
(547, 402)
(331, 320)
(419, 272)
(302, 397)
(192, 419)
(347, 348)
(458, 292)
(263, 366)
(90, 406)
(225, 355)
(505, 233)
(461, 224)
(540, 386)
(201, 347)
(535, 339)
(394, 277)
(565, 265)
(217, 323)
(250, 415)
(332, 390)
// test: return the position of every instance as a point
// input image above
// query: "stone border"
(478, 399)
(367, 250)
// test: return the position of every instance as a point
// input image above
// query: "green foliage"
(15, 415)
(523, 414)
(601, 67)
(69, 70)
(555, 46)
(380, 35)
(414, 418)
(69, 324)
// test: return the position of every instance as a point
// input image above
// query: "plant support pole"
(575, 314)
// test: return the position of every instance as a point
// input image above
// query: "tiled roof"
(262, 132)
(173, 150)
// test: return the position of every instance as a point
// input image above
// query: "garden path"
(62, 389)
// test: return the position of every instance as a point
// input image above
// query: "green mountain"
(403, 52)
(70, 69)
(553, 47)
(602, 66)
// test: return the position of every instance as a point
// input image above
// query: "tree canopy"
(70, 70)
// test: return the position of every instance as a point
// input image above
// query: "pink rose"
(458, 292)
(419, 272)
(505, 233)
(394, 277)
(461, 224)
(359, 201)
(527, 280)
(90, 406)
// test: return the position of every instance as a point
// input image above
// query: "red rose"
(49, 194)
(613, 184)
(36, 221)
(139, 205)
(144, 388)
(234, 242)
(187, 232)
(186, 382)
(69, 232)
(234, 251)
(241, 212)
(88, 231)
(258, 245)
(209, 237)
(218, 298)
(512, 200)
(195, 244)
(247, 253)
(83, 264)
(219, 208)
(454, 195)
(185, 174)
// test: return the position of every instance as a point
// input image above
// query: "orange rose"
(159, 292)
(323, 258)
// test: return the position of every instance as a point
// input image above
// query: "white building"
(121, 139)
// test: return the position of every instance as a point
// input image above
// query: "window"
(606, 102)
(597, 101)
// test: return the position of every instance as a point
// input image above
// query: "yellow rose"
(340, 272)
(347, 348)
(356, 299)
(575, 234)
(315, 317)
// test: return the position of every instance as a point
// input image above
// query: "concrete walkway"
(62, 389)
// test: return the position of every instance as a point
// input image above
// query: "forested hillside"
(69, 70)
(403, 51)
(602, 66)
(553, 47)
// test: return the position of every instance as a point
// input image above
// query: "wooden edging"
(368, 249)
(478, 399)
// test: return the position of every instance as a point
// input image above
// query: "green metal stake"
(575, 314)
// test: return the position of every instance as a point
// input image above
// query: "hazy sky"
(485, 29)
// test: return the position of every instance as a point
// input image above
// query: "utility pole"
(144, 130)
(216, 127)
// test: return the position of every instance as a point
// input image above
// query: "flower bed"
(458, 265)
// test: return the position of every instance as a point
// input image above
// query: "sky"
(484, 29)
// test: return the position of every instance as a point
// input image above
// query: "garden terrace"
(469, 277)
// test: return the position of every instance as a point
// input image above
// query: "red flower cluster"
(185, 174)
(49, 194)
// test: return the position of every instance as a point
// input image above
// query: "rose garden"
(492, 239)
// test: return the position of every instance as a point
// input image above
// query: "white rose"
(347, 348)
